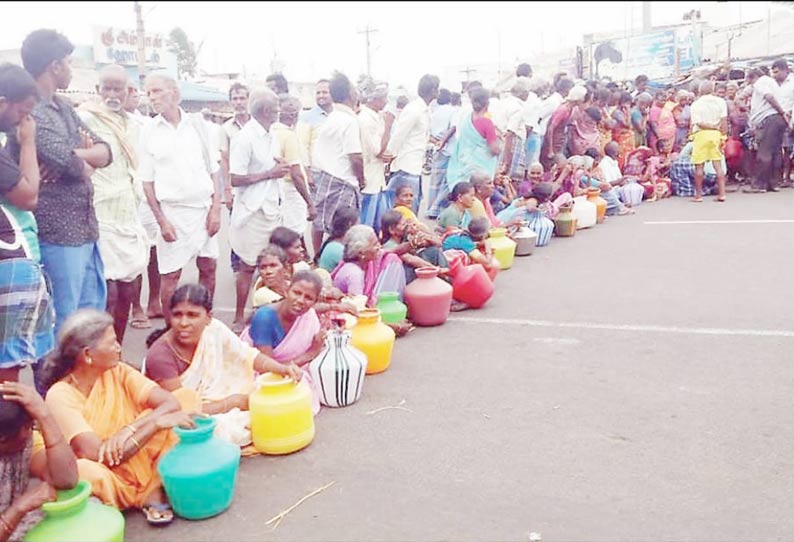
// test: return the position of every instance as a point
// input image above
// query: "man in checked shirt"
(68, 154)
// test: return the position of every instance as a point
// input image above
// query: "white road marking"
(760, 221)
(607, 327)
(626, 327)
(556, 340)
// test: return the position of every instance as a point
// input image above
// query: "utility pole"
(141, 44)
(646, 17)
(367, 31)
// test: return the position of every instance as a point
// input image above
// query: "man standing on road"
(374, 138)
(123, 243)
(409, 142)
(26, 307)
(709, 125)
(68, 153)
(309, 122)
(180, 180)
(769, 121)
(238, 96)
(256, 170)
(297, 208)
(336, 157)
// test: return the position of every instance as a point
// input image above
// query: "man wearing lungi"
(179, 165)
(337, 159)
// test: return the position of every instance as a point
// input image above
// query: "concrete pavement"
(632, 382)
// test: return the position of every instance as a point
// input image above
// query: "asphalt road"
(631, 383)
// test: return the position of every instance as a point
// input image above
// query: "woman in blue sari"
(477, 148)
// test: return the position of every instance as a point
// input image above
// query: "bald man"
(179, 165)
(123, 244)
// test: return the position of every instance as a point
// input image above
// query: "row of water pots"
(199, 474)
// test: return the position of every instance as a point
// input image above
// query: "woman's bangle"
(131, 427)
(135, 442)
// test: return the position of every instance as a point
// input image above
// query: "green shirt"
(27, 223)
(332, 254)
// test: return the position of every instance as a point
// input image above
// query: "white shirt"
(173, 159)
(410, 137)
(498, 115)
(610, 169)
(515, 114)
(532, 111)
(372, 126)
(337, 138)
(254, 150)
(760, 109)
(786, 94)
(441, 120)
(708, 109)
(547, 109)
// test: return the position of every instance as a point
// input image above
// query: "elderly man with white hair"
(179, 169)
(374, 139)
(512, 163)
(256, 170)
(123, 244)
(297, 208)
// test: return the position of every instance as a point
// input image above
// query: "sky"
(311, 39)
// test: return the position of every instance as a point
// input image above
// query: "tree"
(185, 51)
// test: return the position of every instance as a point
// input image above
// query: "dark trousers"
(769, 159)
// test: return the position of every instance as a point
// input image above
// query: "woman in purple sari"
(366, 269)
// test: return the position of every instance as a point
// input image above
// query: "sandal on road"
(140, 323)
(696, 200)
(158, 514)
(751, 190)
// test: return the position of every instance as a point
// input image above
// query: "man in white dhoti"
(255, 169)
(122, 240)
(179, 169)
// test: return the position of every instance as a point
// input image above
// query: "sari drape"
(470, 153)
(118, 398)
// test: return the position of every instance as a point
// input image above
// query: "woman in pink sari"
(583, 132)
(290, 331)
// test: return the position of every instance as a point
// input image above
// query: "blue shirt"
(460, 241)
(266, 329)
(313, 116)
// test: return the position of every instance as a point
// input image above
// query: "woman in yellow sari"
(200, 357)
(116, 420)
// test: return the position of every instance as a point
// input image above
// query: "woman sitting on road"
(273, 268)
(23, 452)
(198, 357)
(367, 269)
(457, 215)
(471, 245)
(290, 331)
(404, 200)
(332, 251)
(291, 243)
(415, 247)
(116, 420)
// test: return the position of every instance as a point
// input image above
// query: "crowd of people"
(96, 197)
